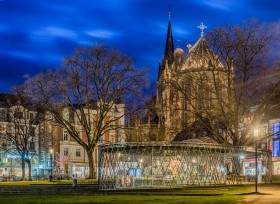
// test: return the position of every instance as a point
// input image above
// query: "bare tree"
(21, 131)
(92, 85)
(63, 162)
(229, 100)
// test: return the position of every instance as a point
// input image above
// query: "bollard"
(75, 183)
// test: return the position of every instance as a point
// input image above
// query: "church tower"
(163, 88)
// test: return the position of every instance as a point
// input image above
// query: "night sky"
(37, 34)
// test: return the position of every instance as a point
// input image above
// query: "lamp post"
(256, 132)
(12, 172)
(51, 158)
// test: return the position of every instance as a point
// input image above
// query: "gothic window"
(207, 95)
(211, 96)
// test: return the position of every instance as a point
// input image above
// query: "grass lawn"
(226, 194)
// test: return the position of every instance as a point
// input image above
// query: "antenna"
(169, 11)
(179, 41)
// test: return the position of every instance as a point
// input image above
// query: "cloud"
(56, 32)
(40, 33)
(102, 34)
(222, 4)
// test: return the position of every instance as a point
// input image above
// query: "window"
(32, 146)
(65, 135)
(3, 114)
(112, 139)
(65, 152)
(31, 116)
(32, 131)
(78, 152)
(276, 142)
(18, 114)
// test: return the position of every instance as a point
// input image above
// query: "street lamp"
(256, 132)
(51, 158)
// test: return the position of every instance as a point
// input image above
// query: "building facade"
(49, 146)
(18, 137)
(68, 157)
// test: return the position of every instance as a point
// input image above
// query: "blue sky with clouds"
(37, 34)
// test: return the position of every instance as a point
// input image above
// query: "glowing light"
(256, 132)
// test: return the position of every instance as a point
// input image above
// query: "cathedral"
(192, 88)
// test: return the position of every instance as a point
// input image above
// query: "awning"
(80, 165)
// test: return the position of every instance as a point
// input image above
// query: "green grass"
(226, 194)
(121, 199)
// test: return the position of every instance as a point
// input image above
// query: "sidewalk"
(268, 194)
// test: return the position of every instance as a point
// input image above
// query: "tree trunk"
(22, 169)
(91, 164)
(28, 161)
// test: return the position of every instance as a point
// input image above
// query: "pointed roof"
(169, 45)
(169, 50)
(201, 56)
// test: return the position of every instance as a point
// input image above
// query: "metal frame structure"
(165, 164)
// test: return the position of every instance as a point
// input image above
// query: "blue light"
(276, 142)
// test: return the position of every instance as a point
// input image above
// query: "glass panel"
(275, 149)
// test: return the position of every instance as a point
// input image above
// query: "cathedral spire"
(169, 46)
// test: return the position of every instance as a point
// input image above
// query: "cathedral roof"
(201, 56)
